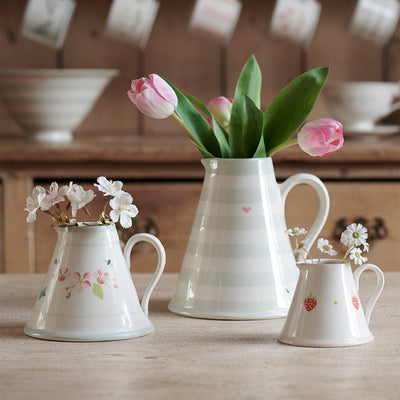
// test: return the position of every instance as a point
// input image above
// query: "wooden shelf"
(137, 157)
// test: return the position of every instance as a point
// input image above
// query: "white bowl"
(358, 105)
(50, 103)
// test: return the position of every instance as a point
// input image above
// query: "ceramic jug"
(88, 293)
(239, 262)
(326, 309)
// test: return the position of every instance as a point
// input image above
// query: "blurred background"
(362, 180)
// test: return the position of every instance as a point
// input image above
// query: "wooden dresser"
(164, 175)
(157, 163)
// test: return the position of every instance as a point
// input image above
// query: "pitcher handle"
(378, 289)
(322, 215)
(146, 237)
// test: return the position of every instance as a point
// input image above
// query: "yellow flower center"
(356, 235)
(326, 247)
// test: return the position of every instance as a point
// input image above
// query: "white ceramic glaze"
(216, 19)
(375, 20)
(131, 21)
(239, 262)
(88, 293)
(326, 309)
(47, 21)
(357, 105)
(295, 20)
(50, 103)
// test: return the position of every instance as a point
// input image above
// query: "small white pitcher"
(326, 310)
(88, 293)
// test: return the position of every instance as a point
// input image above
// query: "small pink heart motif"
(246, 209)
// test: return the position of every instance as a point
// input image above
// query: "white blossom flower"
(34, 202)
(355, 255)
(79, 197)
(354, 235)
(324, 246)
(296, 231)
(108, 187)
(54, 196)
(123, 210)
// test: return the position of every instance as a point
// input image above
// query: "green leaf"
(291, 107)
(98, 290)
(198, 127)
(253, 128)
(261, 151)
(249, 82)
(245, 129)
(199, 104)
(222, 138)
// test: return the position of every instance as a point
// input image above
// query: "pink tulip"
(153, 96)
(221, 109)
(321, 137)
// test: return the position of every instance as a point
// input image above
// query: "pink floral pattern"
(97, 280)
(63, 275)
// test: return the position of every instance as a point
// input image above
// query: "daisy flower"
(355, 255)
(324, 246)
(354, 235)
(301, 246)
(296, 231)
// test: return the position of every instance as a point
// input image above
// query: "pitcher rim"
(332, 262)
(84, 227)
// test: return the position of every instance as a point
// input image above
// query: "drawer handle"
(377, 229)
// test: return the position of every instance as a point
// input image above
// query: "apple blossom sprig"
(237, 127)
(59, 202)
(353, 237)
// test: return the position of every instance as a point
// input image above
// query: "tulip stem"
(191, 136)
(282, 146)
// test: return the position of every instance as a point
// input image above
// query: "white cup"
(131, 21)
(295, 20)
(375, 20)
(47, 21)
(358, 105)
(216, 19)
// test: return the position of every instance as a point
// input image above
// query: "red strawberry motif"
(310, 302)
(356, 303)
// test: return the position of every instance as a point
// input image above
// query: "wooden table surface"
(189, 358)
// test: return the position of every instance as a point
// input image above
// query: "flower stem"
(191, 136)
(282, 146)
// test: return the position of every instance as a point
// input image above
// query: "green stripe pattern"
(239, 262)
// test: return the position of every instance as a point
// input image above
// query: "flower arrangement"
(353, 237)
(236, 127)
(62, 203)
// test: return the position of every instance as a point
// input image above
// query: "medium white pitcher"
(326, 309)
(239, 262)
(88, 293)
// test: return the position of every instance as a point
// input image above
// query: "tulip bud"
(321, 137)
(221, 108)
(153, 96)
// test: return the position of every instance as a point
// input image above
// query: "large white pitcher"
(88, 293)
(239, 262)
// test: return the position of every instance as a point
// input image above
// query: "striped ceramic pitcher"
(239, 263)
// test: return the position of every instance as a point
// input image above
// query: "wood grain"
(195, 358)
